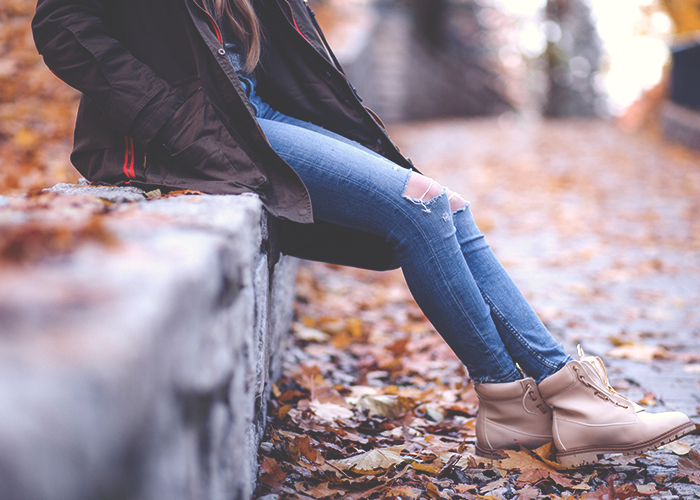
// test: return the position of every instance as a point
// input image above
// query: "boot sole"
(490, 453)
(590, 455)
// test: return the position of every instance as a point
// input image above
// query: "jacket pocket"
(204, 160)
(202, 148)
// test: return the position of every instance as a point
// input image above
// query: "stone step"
(137, 344)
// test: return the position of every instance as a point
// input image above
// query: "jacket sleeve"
(132, 99)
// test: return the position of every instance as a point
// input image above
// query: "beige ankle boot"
(510, 415)
(591, 419)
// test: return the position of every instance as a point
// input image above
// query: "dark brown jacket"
(162, 106)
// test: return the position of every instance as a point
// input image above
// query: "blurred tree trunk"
(573, 59)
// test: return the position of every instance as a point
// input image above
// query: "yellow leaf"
(522, 460)
(385, 405)
(424, 468)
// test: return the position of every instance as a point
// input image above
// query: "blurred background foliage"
(410, 60)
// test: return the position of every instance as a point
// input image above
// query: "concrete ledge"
(135, 360)
(681, 124)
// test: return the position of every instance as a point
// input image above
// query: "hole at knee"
(420, 187)
(457, 203)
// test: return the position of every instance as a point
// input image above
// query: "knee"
(422, 188)
(456, 201)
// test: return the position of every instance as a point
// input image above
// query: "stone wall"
(138, 339)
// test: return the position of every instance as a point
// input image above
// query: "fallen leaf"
(306, 448)
(616, 492)
(311, 335)
(494, 485)
(677, 447)
(283, 411)
(649, 399)
(533, 476)
(398, 347)
(548, 453)
(465, 488)
(522, 460)
(433, 491)
(527, 493)
(323, 491)
(273, 474)
(434, 414)
(647, 489)
(385, 405)
(689, 466)
(377, 459)
(329, 411)
(424, 468)
(403, 492)
(638, 352)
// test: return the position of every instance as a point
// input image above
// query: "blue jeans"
(451, 271)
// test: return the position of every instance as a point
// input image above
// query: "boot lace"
(540, 405)
(596, 392)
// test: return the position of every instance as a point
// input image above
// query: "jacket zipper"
(217, 32)
(379, 128)
(336, 65)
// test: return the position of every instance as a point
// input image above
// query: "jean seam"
(515, 333)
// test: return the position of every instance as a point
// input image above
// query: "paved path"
(601, 229)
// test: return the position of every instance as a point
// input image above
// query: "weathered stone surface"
(110, 193)
(141, 369)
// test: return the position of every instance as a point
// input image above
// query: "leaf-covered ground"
(37, 110)
(601, 231)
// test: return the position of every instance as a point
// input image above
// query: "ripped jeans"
(451, 271)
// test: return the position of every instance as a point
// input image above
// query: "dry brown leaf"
(533, 476)
(689, 466)
(273, 474)
(307, 449)
(494, 485)
(323, 491)
(398, 347)
(465, 488)
(616, 492)
(527, 493)
(403, 492)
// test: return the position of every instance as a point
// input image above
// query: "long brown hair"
(241, 16)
